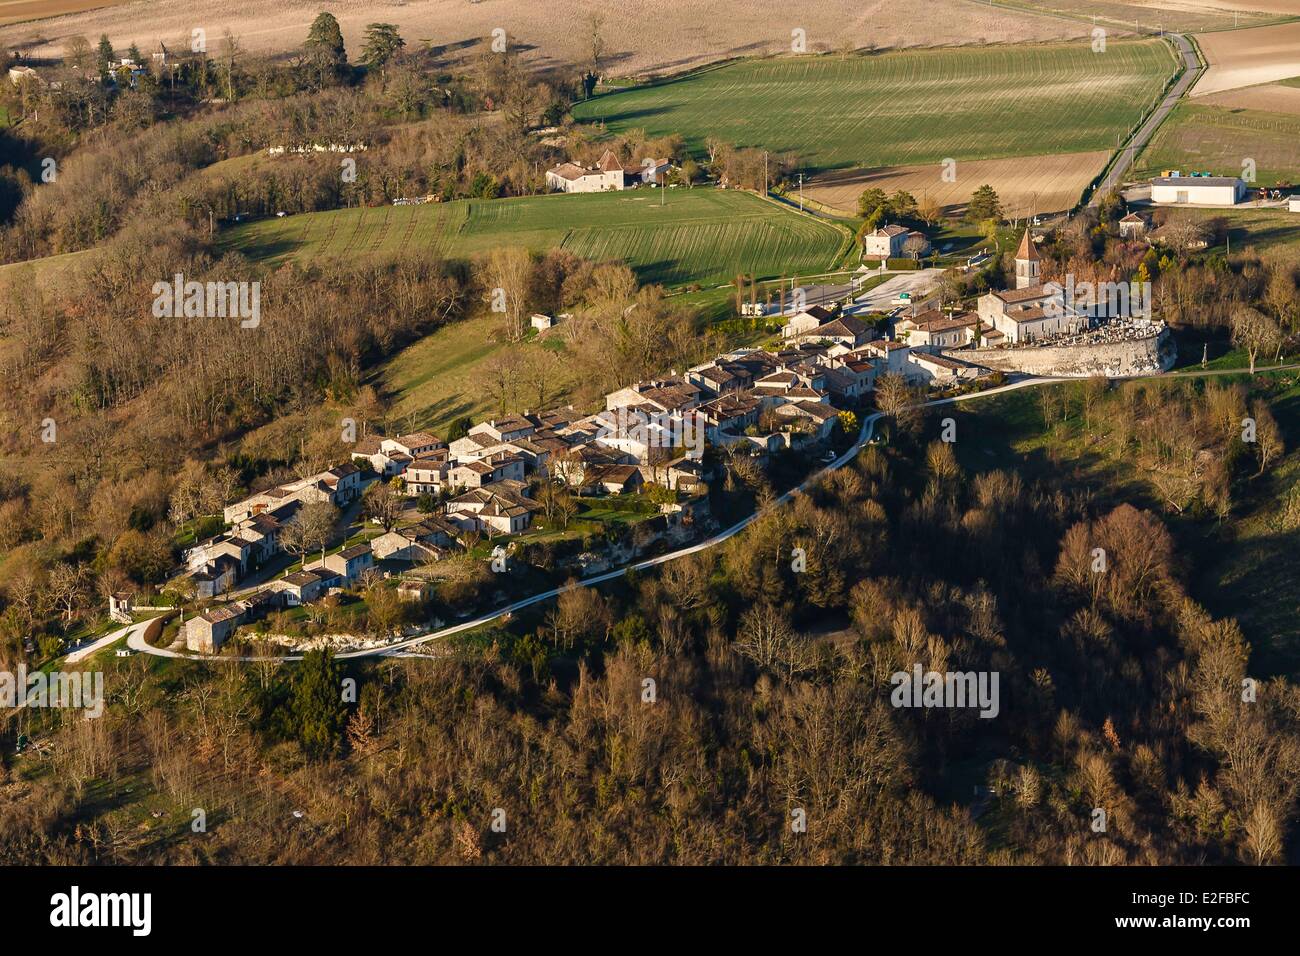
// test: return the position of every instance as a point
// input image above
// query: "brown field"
(1286, 8)
(18, 11)
(641, 35)
(1183, 16)
(1025, 184)
(1271, 97)
(1249, 57)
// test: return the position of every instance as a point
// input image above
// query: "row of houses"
(845, 345)
(649, 432)
(254, 525)
(208, 630)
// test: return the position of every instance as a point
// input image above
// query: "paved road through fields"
(1124, 162)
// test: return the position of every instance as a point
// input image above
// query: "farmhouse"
(616, 479)
(806, 321)
(1132, 225)
(215, 577)
(494, 468)
(819, 416)
(429, 540)
(892, 356)
(416, 444)
(930, 369)
(845, 330)
(340, 486)
(426, 476)
(680, 474)
(301, 587)
(504, 508)
(730, 415)
(206, 632)
(607, 174)
(572, 178)
(885, 243)
(382, 463)
(578, 465)
(1198, 190)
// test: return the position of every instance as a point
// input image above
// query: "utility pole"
(764, 172)
(801, 192)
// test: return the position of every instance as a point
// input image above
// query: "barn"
(1198, 190)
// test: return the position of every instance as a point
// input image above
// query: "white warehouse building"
(1198, 190)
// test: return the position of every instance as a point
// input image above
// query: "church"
(1031, 311)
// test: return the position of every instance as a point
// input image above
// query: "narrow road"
(81, 653)
(136, 641)
(1138, 141)
(403, 648)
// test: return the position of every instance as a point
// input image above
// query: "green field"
(700, 235)
(43, 270)
(906, 107)
(1269, 232)
(1219, 139)
(436, 380)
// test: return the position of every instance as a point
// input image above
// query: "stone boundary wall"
(1146, 356)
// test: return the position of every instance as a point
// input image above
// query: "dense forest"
(768, 693)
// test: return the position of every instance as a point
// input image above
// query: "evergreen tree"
(324, 48)
(316, 705)
(105, 55)
(382, 43)
(984, 204)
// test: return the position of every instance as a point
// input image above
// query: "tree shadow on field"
(663, 272)
(627, 116)
(735, 53)
(445, 410)
(267, 250)
(441, 50)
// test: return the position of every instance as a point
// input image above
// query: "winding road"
(403, 647)
(137, 643)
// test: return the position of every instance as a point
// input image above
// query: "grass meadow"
(905, 107)
(701, 235)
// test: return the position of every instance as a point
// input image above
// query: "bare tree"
(508, 270)
(897, 399)
(309, 529)
(383, 503)
(1255, 332)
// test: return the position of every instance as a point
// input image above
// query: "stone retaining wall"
(1147, 356)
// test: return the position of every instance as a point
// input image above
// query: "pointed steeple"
(1027, 250)
(1028, 264)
